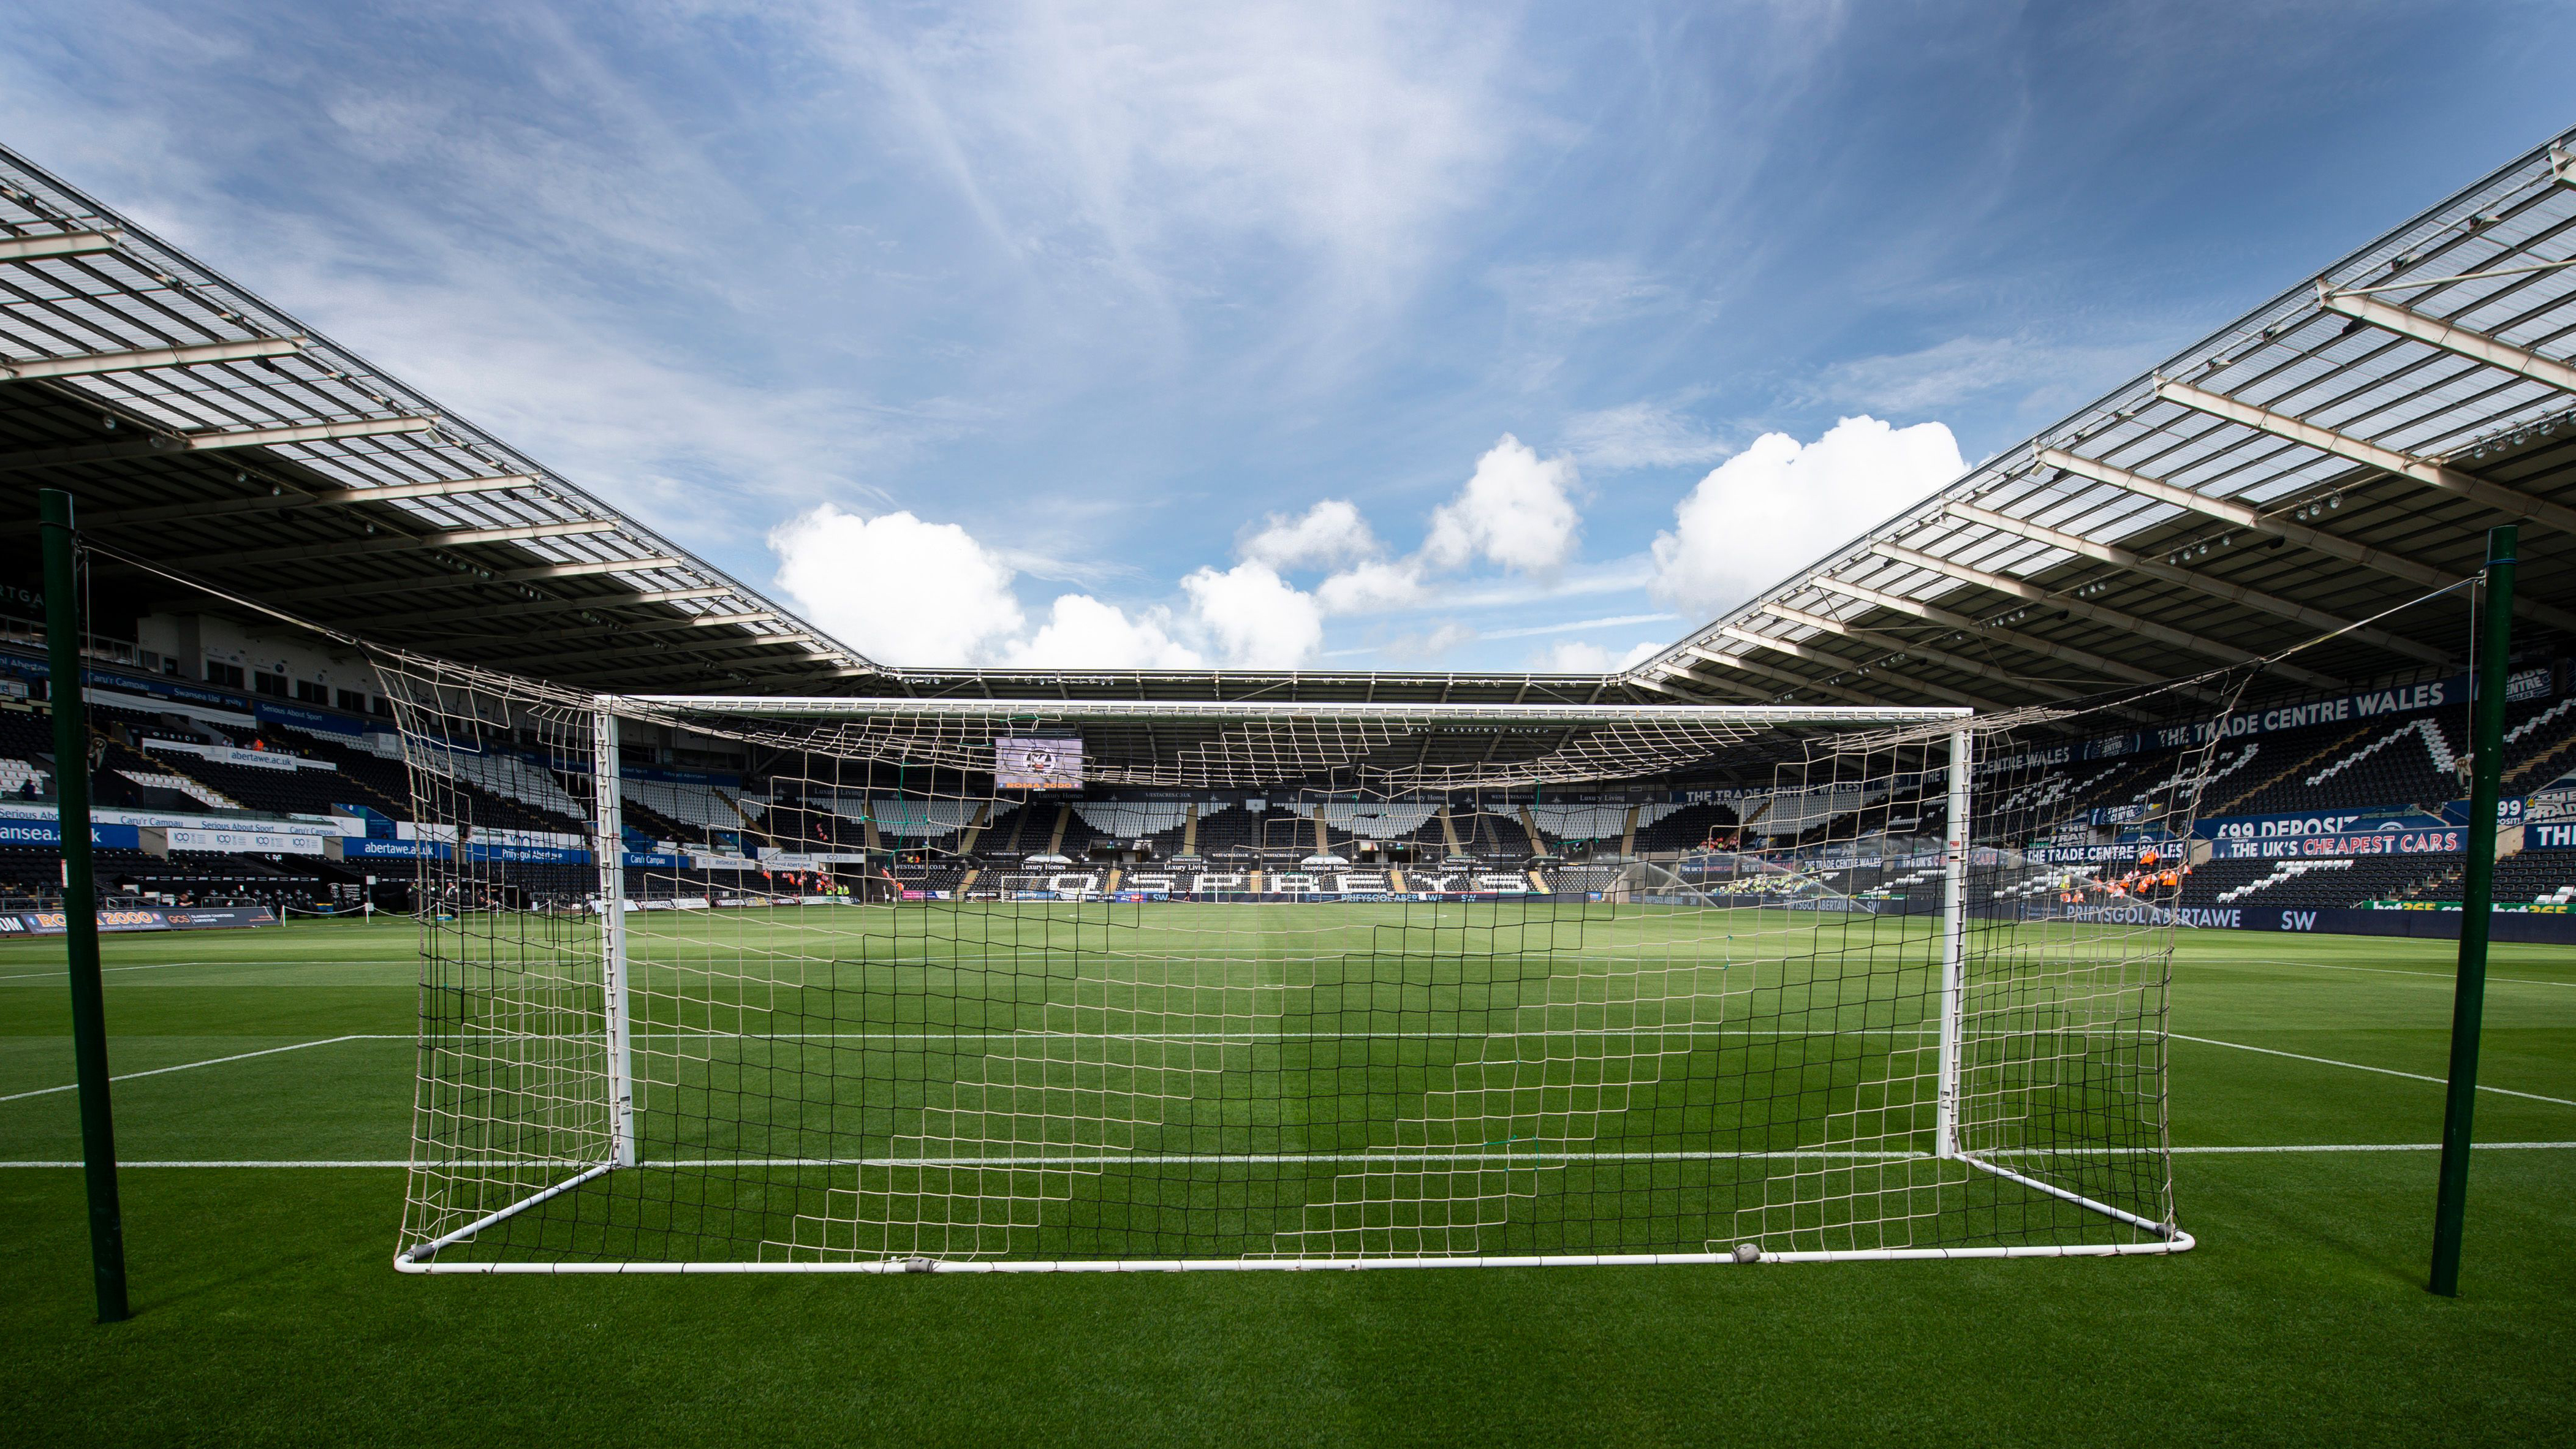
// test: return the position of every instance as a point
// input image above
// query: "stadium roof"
(2330, 456)
(2326, 458)
(207, 433)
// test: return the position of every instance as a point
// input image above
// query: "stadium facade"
(2232, 553)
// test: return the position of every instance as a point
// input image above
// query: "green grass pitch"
(267, 1311)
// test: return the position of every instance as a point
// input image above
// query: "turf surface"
(267, 1310)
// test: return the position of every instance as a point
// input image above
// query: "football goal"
(940, 985)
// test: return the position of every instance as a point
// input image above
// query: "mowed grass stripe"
(2359, 1067)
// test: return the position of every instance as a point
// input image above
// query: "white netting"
(1271, 987)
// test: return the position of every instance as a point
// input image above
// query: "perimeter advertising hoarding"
(1037, 762)
(111, 921)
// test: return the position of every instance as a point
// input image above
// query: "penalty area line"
(2359, 1067)
(187, 1066)
(382, 1163)
(1108, 1159)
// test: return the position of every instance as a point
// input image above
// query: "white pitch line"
(380, 1163)
(2383, 1071)
(1033, 1033)
(148, 966)
(2396, 971)
(266, 963)
(186, 1066)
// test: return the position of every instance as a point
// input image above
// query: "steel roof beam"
(386, 493)
(359, 547)
(534, 606)
(60, 244)
(2388, 460)
(2145, 628)
(1831, 660)
(1933, 613)
(680, 652)
(1704, 682)
(2379, 560)
(1754, 667)
(165, 443)
(1659, 687)
(450, 578)
(88, 364)
(2451, 337)
(1874, 639)
(2255, 599)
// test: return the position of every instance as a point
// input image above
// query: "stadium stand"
(690, 811)
(2541, 877)
(1688, 828)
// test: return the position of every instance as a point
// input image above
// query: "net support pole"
(609, 849)
(1954, 941)
(80, 903)
(2477, 899)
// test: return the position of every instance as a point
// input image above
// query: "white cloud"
(1143, 142)
(1372, 587)
(1779, 504)
(1576, 626)
(1574, 295)
(1639, 435)
(1574, 656)
(897, 589)
(1515, 511)
(1082, 632)
(2046, 374)
(1427, 648)
(1331, 532)
(1258, 619)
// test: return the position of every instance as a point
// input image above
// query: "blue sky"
(1348, 335)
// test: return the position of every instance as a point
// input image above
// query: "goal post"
(752, 984)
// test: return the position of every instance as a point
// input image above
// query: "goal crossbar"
(1233, 711)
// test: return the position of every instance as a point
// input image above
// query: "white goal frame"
(623, 1155)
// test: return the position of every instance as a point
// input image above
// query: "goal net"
(886, 985)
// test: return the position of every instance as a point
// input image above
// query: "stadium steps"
(2443, 884)
(2541, 767)
(2283, 873)
(140, 768)
(2340, 742)
(2437, 749)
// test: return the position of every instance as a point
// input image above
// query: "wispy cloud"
(1639, 435)
(1616, 621)
(1582, 292)
(2030, 375)
(1108, 283)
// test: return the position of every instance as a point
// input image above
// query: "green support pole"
(2477, 898)
(80, 903)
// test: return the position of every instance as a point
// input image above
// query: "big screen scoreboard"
(1037, 762)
